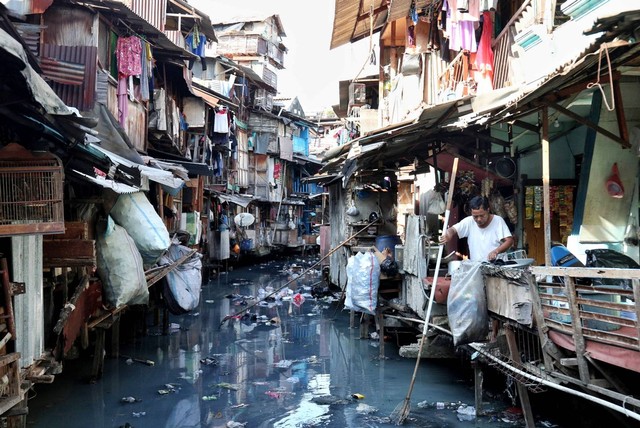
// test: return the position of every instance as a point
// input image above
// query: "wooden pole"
(546, 202)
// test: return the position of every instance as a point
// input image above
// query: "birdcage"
(31, 192)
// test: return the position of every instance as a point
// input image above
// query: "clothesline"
(135, 33)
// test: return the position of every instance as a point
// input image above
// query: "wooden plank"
(547, 345)
(585, 272)
(624, 143)
(578, 338)
(522, 390)
(72, 230)
(636, 305)
(68, 253)
(546, 191)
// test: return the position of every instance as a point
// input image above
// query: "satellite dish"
(244, 219)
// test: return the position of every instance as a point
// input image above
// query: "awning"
(160, 176)
(194, 168)
(352, 20)
(106, 183)
(242, 200)
(206, 97)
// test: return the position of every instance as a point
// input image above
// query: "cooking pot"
(453, 265)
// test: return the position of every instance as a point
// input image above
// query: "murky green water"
(262, 374)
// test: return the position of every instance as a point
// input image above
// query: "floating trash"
(293, 379)
(233, 424)
(240, 406)
(209, 361)
(129, 400)
(365, 409)
(209, 398)
(357, 396)
(284, 364)
(138, 414)
(230, 386)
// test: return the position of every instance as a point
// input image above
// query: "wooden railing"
(502, 45)
(600, 313)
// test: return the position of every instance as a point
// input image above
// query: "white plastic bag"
(185, 281)
(119, 266)
(363, 281)
(467, 304)
(135, 213)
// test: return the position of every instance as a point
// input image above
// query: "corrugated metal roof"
(81, 96)
(160, 41)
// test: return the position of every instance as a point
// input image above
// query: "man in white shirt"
(487, 233)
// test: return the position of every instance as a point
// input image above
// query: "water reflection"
(265, 369)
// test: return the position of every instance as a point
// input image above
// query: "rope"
(597, 84)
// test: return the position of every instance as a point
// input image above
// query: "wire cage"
(31, 192)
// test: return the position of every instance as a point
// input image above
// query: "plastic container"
(388, 241)
(399, 255)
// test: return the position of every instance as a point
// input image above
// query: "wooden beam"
(527, 126)
(620, 116)
(547, 345)
(376, 11)
(585, 272)
(636, 305)
(484, 137)
(522, 389)
(68, 253)
(624, 143)
(578, 338)
(546, 190)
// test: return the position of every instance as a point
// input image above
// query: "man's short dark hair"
(478, 202)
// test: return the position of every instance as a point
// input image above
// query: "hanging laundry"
(195, 43)
(128, 53)
(123, 102)
(221, 121)
(483, 64)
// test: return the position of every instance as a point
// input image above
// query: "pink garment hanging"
(483, 64)
(123, 101)
(128, 54)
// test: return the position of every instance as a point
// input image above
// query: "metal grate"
(31, 195)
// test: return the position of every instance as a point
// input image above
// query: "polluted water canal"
(289, 361)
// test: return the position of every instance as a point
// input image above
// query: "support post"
(546, 202)
(523, 392)
(477, 384)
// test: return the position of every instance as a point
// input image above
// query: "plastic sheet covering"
(467, 304)
(119, 266)
(185, 281)
(135, 213)
(363, 281)
(518, 276)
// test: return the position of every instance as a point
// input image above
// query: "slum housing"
(139, 152)
(534, 105)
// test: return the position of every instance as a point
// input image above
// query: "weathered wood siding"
(338, 260)
(28, 307)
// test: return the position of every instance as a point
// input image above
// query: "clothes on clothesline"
(221, 121)
(128, 53)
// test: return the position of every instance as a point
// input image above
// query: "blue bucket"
(388, 241)
(246, 245)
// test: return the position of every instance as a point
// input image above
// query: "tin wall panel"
(153, 11)
(80, 96)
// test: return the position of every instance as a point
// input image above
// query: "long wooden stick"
(302, 273)
(452, 180)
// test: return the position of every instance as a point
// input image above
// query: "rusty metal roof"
(127, 19)
(352, 19)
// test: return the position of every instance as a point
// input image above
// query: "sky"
(312, 71)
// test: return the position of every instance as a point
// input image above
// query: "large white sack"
(119, 266)
(135, 213)
(363, 281)
(185, 281)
